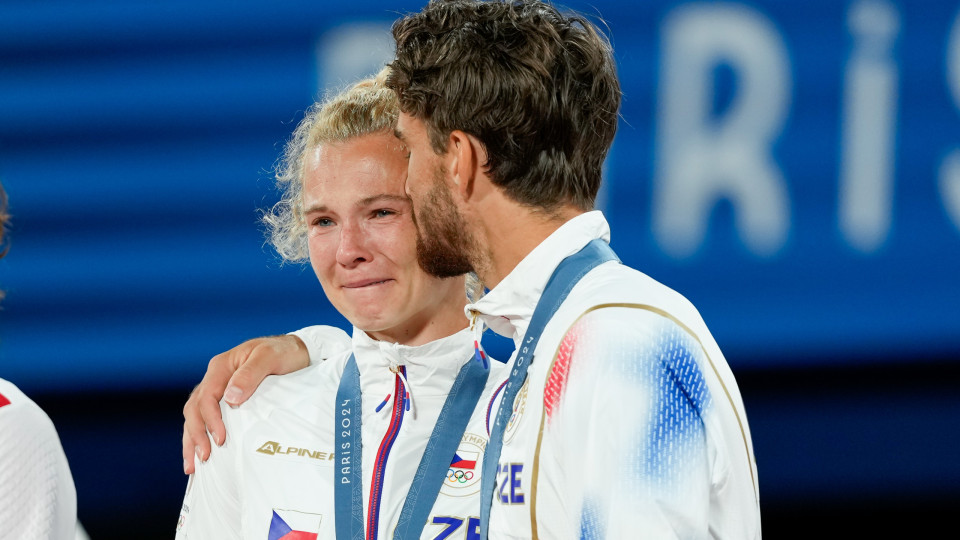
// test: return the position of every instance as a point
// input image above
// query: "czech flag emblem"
(464, 459)
(293, 525)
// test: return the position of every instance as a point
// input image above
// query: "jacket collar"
(508, 307)
(431, 368)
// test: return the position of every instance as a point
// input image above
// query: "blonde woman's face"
(362, 239)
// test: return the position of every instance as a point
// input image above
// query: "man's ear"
(466, 159)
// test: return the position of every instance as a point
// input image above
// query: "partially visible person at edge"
(38, 500)
(629, 421)
(282, 470)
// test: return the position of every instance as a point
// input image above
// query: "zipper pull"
(407, 394)
(476, 325)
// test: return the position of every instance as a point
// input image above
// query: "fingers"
(246, 380)
(188, 453)
(202, 413)
(212, 421)
(276, 355)
(234, 376)
(195, 443)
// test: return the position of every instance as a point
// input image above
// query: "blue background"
(136, 144)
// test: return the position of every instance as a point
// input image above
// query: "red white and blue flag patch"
(293, 525)
(464, 459)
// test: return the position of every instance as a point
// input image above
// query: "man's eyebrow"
(399, 134)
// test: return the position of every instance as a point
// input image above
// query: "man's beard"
(443, 241)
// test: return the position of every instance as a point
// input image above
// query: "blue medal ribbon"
(348, 480)
(432, 471)
(444, 441)
(566, 275)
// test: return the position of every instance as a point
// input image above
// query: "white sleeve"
(38, 500)
(211, 505)
(323, 341)
(633, 409)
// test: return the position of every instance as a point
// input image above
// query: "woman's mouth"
(365, 283)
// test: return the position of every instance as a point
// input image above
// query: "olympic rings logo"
(459, 476)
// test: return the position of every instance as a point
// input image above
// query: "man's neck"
(509, 232)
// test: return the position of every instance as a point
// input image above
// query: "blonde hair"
(366, 107)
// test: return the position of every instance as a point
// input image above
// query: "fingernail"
(216, 438)
(185, 467)
(196, 450)
(232, 395)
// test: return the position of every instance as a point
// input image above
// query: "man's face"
(362, 239)
(444, 244)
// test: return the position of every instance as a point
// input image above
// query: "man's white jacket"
(274, 476)
(630, 424)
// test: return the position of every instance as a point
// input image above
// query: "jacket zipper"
(380, 465)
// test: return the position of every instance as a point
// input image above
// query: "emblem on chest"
(519, 407)
(463, 475)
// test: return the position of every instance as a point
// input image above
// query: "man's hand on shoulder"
(233, 376)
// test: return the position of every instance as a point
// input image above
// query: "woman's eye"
(383, 213)
(322, 222)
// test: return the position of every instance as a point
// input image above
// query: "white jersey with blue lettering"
(274, 476)
(630, 423)
(38, 500)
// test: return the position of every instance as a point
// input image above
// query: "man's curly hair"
(537, 87)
